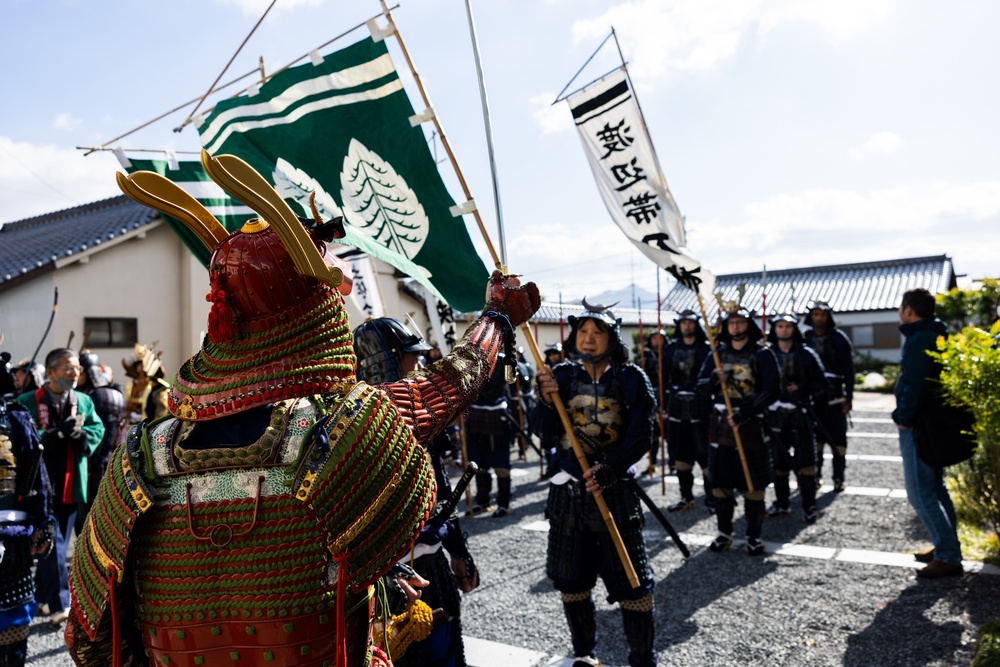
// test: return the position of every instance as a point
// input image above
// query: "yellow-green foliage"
(959, 308)
(970, 376)
(988, 645)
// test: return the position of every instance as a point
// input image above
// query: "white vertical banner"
(365, 299)
(620, 153)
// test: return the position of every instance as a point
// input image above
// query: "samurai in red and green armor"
(251, 526)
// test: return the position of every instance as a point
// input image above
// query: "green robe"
(93, 430)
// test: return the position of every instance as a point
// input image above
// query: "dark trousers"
(52, 575)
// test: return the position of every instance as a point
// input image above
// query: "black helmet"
(772, 336)
(753, 330)
(380, 344)
(606, 320)
(819, 305)
(690, 316)
(554, 348)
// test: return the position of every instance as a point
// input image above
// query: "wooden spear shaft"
(609, 520)
(661, 414)
(581, 458)
(725, 393)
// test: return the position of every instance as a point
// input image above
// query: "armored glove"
(504, 294)
(71, 428)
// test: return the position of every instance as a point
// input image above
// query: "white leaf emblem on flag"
(296, 185)
(378, 202)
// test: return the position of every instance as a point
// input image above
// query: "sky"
(790, 133)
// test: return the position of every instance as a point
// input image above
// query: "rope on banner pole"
(224, 69)
(252, 72)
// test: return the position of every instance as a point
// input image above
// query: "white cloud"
(829, 226)
(695, 36)
(880, 143)
(65, 122)
(257, 7)
(551, 118)
(37, 179)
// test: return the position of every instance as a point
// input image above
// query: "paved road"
(840, 592)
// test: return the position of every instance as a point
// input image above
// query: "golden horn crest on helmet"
(244, 183)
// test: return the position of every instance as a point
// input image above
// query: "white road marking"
(842, 554)
(484, 653)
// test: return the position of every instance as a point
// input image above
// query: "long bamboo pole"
(609, 520)
(725, 393)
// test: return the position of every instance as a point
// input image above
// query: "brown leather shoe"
(924, 556)
(937, 570)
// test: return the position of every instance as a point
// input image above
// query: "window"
(886, 335)
(110, 331)
(862, 335)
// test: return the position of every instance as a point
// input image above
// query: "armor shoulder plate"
(369, 483)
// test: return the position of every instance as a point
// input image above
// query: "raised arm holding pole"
(500, 263)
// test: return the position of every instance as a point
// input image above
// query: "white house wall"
(151, 277)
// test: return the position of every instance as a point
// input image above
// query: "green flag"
(191, 176)
(341, 128)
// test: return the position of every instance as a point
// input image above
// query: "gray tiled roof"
(865, 286)
(33, 245)
(549, 312)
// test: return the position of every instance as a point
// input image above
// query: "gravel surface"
(729, 608)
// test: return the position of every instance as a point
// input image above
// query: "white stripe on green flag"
(341, 129)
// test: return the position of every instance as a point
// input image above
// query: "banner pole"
(661, 413)
(444, 137)
(609, 521)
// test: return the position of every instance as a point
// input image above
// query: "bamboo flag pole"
(661, 413)
(525, 329)
(725, 393)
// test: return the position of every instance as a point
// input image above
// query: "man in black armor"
(686, 423)
(802, 384)
(26, 527)
(109, 404)
(387, 350)
(835, 350)
(489, 434)
(752, 383)
(610, 404)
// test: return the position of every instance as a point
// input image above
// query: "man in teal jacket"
(70, 431)
(915, 389)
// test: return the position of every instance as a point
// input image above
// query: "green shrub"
(988, 645)
(970, 376)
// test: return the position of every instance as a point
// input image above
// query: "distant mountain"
(627, 297)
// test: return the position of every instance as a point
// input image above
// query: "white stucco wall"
(151, 277)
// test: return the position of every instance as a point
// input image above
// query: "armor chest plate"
(684, 366)
(596, 412)
(791, 367)
(741, 369)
